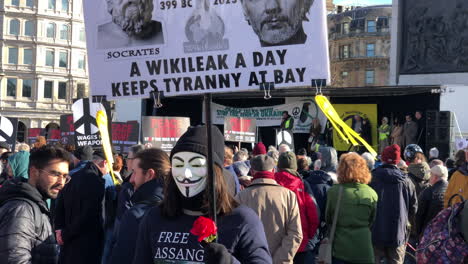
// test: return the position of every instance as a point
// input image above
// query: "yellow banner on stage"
(366, 125)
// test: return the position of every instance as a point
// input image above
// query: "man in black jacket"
(431, 200)
(25, 229)
(82, 233)
(150, 168)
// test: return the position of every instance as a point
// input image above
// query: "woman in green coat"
(352, 241)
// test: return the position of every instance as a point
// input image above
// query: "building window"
(382, 22)
(344, 74)
(51, 4)
(371, 26)
(345, 28)
(50, 58)
(30, 3)
(370, 77)
(27, 56)
(64, 32)
(13, 55)
(11, 87)
(15, 2)
(81, 62)
(29, 28)
(65, 5)
(344, 51)
(370, 50)
(48, 87)
(62, 92)
(82, 34)
(51, 30)
(27, 88)
(14, 27)
(63, 59)
(80, 90)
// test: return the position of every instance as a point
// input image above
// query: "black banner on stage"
(125, 135)
(67, 130)
(163, 132)
(8, 131)
(84, 120)
(240, 129)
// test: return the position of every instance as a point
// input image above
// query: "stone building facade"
(43, 61)
(359, 43)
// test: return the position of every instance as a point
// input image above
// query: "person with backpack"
(25, 227)
(150, 168)
(397, 204)
(458, 184)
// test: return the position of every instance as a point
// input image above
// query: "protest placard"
(125, 135)
(163, 132)
(8, 131)
(240, 129)
(84, 122)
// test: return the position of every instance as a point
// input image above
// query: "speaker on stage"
(439, 126)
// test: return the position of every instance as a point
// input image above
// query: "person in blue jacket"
(164, 235)
(151, 167)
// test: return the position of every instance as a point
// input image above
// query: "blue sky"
(362, 2)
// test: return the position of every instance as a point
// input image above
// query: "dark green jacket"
(353, 240)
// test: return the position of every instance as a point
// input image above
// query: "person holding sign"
(131, 25)
(277, 22)
(164, 235)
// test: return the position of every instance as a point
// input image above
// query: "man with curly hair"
(131, 25)
(277, 22)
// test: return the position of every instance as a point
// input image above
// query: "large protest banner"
(125, 135)
(67, 130)
(8, 131)
(185, 47)
(347, 113)
(303, 112)
(84, 121)
(163, 132)
(240, 129)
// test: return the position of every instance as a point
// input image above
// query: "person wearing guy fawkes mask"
(164, 235)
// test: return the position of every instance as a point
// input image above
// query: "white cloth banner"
(183, 47)
(303, 112)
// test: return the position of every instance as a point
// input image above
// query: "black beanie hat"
(195, 140)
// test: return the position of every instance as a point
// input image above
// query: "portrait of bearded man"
(277, 22)
(131, 25)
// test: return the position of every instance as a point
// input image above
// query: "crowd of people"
(272, 205)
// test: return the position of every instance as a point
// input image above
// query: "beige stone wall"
(359, 62)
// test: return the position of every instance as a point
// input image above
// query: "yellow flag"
(101, 120)
(343, 130)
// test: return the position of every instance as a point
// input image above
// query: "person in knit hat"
(288, 177)
(277, 208)
(187, 196)
(259, 149)
(396, 205)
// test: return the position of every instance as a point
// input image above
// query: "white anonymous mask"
(189, 171)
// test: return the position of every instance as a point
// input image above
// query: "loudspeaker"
(439, 119)
(439, 125)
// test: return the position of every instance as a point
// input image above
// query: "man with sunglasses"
(25, 228)
(81, 234)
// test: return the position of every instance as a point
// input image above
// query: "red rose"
(205, 229)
